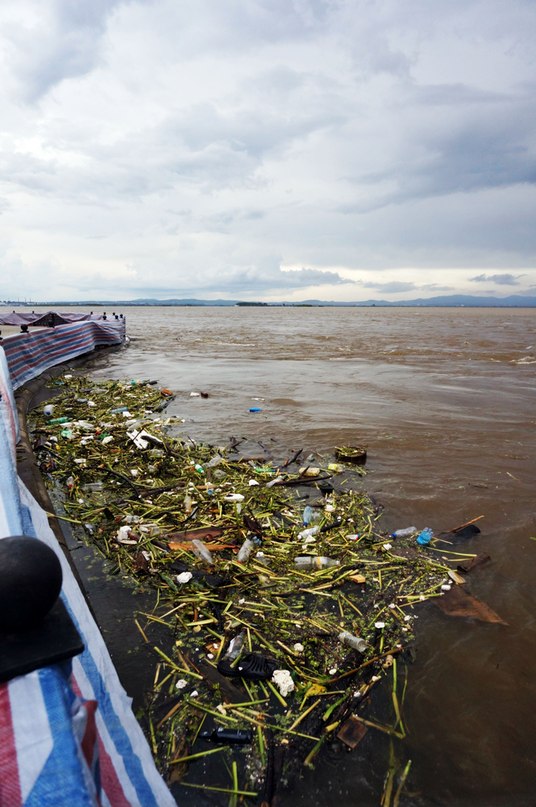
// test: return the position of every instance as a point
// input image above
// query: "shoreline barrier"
(69, 736)
(30, 354)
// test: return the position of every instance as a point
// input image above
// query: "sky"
(267, 150)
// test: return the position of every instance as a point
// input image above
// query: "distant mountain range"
(451, 300)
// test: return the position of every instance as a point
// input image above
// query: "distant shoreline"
(454, 301)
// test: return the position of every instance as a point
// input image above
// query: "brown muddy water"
(445, 401)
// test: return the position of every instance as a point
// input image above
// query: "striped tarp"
(29, 354)
(68, 736)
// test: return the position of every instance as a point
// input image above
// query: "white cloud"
(268, 150)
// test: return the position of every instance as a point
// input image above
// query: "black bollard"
(30, 582)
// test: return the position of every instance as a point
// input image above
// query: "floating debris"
(274, 632)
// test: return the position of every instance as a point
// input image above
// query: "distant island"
(445, 301)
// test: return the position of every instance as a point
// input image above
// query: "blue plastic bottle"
(424, 537)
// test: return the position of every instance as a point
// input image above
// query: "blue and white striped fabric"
(68, 737)
(30, 354)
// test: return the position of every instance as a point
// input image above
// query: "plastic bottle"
(235, 646)
(315, 562)
(245, 550)
(276, 481)
(200, 551)
(84, 425)
(308, 533)
(224, 735)
(310, 515)
(352, 641)
(59, 420)
(188, 503)
(118, 410)
(93, 487)
(424, 537)
(404, 532)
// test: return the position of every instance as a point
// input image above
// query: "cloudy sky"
(267, 149)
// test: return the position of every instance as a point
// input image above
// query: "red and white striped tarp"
(68, 737)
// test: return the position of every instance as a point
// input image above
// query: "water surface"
(445, 400)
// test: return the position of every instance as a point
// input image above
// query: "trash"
(456, 577)
(200, 551)
(48, 410)
(474, 563)
(93, 487)
(352, 732)
(273, 482)
(310, 470)
(310, 514)
(233, 736)
(356, 455)
(355, 642)
(252, 666)
(63, 419)
(424, 537)
(245, 550)
(202, 533)
(335, 467)
(309, 533)
(315, 562)
(188, 501)
(404, 533)
(142, 439)
(458, 602)
(235, 646)
(272, 631)
(255, 409)
(125, 536)
(283, 681)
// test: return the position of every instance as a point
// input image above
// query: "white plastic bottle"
(355, 642)
(315, 562)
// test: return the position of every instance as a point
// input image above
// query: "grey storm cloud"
(271, 277)
(156, 144)
(58, 40)
(487, 143)
(500, 279)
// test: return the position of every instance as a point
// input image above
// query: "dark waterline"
(445, 401)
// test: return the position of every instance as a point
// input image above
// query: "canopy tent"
(47, 319)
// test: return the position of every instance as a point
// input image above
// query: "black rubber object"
(252, 666)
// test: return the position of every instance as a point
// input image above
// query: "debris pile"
(284, 600)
